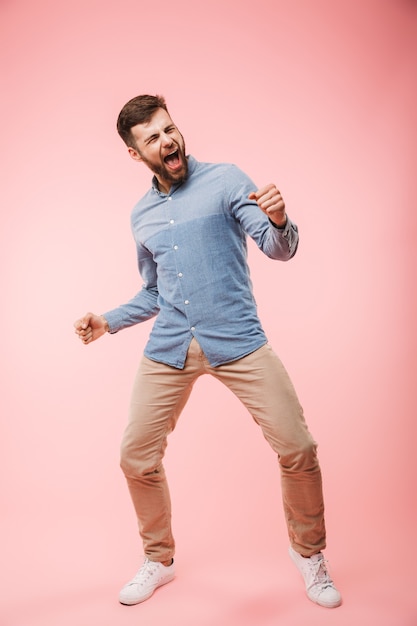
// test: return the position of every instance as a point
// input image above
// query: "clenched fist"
(91, 327)
(271, 203)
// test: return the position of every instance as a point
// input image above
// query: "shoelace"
(147, 570)
(320, 574)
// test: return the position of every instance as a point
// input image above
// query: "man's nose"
(166, 140)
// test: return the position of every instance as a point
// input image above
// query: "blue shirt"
(192, 256)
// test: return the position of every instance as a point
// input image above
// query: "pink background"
(317, 96)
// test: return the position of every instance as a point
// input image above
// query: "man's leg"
(260, 381)
(159, 394)
(263, 385)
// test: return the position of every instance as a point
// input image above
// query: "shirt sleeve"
(276, 242)
(144, 305)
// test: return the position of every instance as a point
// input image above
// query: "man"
(190, 231)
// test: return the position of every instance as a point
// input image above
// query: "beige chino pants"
(260, 381)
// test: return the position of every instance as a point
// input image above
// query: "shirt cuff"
(283, 227)
(114, 321)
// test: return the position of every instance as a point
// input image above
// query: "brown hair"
(138, 110)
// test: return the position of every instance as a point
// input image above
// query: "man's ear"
(134, 154)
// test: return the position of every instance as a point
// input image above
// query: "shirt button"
(192, 328)
(169, 198)
(180, 274)
(186, 302)
(175, 247)
(171, 221)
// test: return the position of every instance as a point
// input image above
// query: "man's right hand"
(91, 327)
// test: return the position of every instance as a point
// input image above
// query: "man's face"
(160, 145)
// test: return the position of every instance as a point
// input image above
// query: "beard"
(162, 171)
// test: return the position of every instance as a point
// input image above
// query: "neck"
(162, 185)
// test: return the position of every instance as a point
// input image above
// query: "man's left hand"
(271, 203)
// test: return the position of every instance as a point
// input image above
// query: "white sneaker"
(320, 587)
(150, 576)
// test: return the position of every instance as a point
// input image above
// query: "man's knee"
(137, 462)
(300, 458)
(132, 461)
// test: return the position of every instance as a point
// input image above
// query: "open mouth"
(173, 160)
